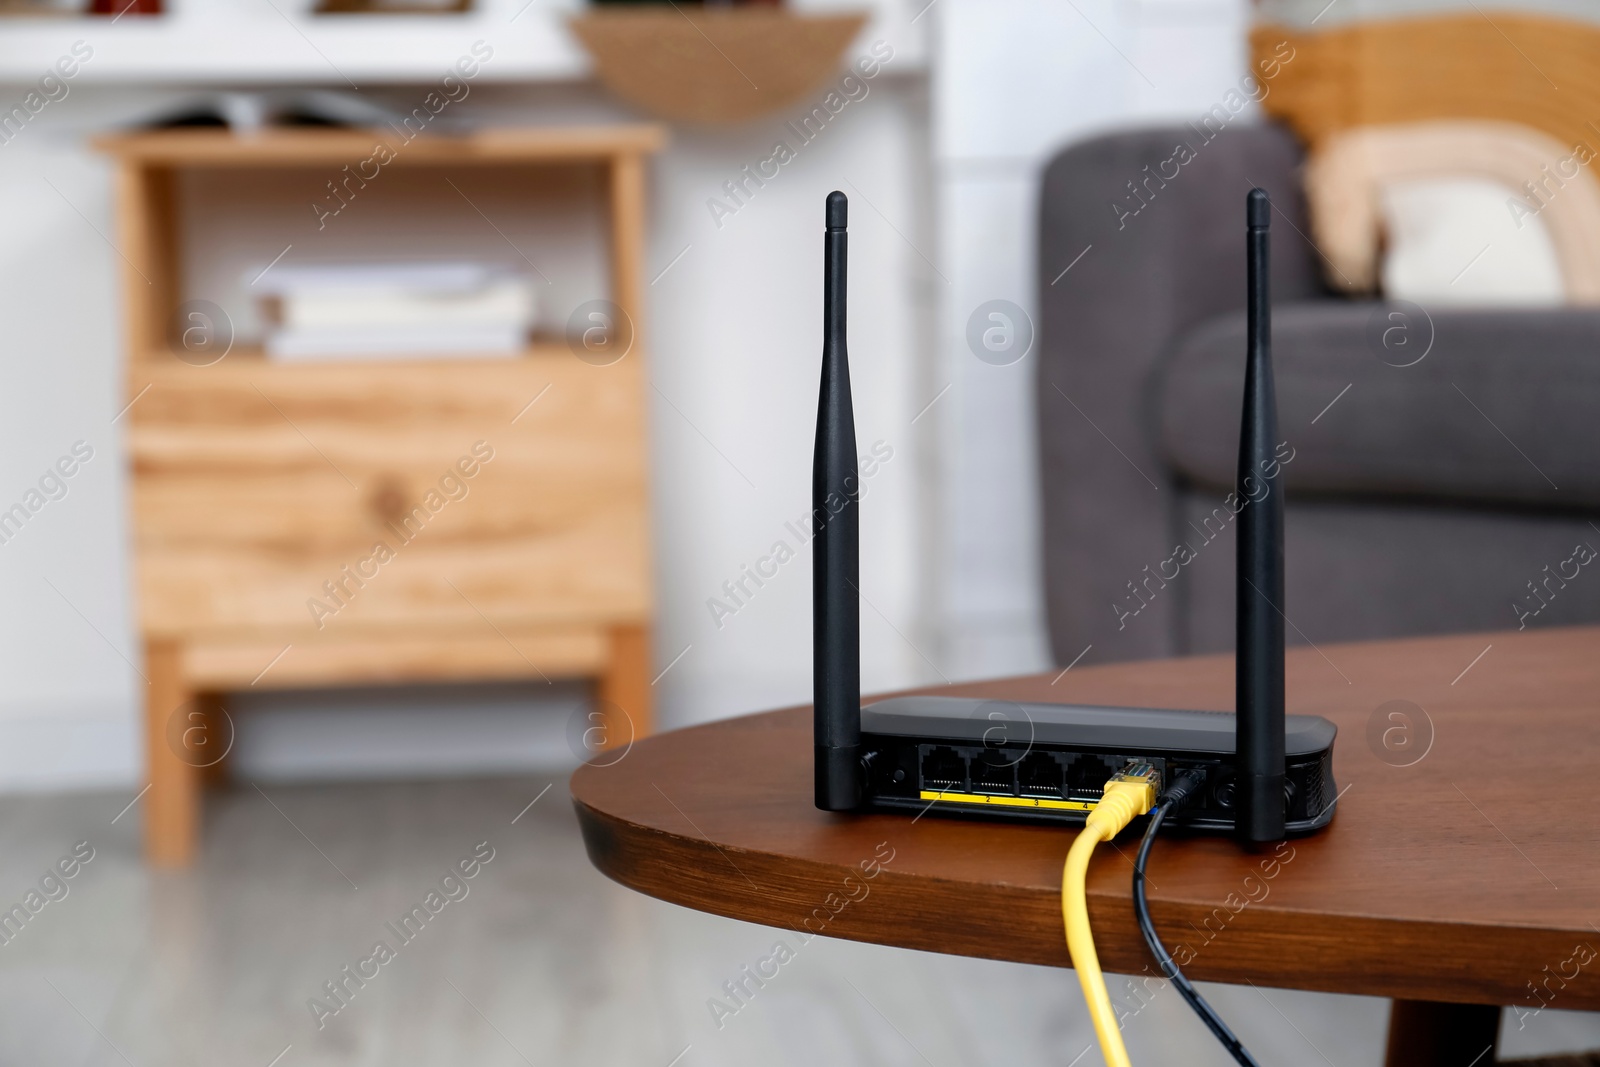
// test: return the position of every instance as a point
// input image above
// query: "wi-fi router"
(1267, 774)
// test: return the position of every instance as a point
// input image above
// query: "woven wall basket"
(711, 66)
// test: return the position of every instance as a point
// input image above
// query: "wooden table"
(1466, 880)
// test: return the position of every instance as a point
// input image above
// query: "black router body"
(1049, 762)
(1267, 773)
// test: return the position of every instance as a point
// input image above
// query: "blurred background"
(407, 399)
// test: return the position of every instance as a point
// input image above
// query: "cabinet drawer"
(262, 489)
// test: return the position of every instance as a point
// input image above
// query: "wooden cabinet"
(316, 524)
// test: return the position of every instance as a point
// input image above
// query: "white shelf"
(269, 42)
(279, 42)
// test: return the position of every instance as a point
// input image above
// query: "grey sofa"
(1441, 494)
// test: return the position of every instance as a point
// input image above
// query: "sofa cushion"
(1454, 187)
(1496, 407)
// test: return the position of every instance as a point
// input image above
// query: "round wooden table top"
(1462, 864)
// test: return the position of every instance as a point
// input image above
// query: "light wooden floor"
(544, 962)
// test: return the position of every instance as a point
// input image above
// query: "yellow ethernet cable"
(1131, 792)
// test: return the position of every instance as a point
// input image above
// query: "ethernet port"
(943, 768)
(995, 772)
(1088, 775)
(1040, 775)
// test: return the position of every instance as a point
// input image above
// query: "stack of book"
(393, 310)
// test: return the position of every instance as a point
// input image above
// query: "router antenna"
(1258, 636)
(835, 525)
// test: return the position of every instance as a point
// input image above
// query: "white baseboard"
(69, 748)
(401, 732)
(407, 732)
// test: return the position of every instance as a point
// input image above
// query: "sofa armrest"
(1157, 217)
(1490, 408)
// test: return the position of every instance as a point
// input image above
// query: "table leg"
(219, 731)
(1423, 1033)
(626, 683)
(172, 807)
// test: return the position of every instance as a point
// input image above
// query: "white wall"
(66, 682)
(1013, 81)
(737, 324)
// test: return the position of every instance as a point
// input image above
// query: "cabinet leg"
(1427, 1034)
(626, 684)
(218, 727)
(172, 807)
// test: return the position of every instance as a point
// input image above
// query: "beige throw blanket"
(1549, 180)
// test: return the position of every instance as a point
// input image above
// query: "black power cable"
(1177, 796)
